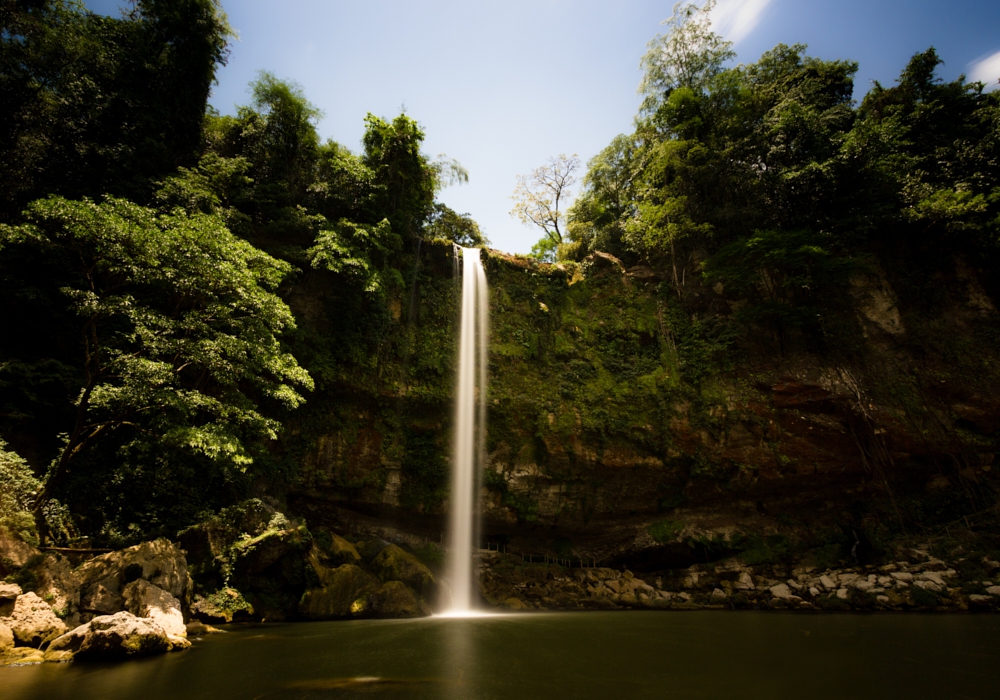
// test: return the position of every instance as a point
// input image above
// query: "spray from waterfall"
(469, 442)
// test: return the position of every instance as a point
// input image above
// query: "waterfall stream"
(469, 441)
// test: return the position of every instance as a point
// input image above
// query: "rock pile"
(121, 604)
(931, 584)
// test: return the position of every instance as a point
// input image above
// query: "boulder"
(513, 604)
(261, 552)
(369, 549)
(98, 598)
(340, 551)
(33, 622)
(57, 583)
(781, 591)
(118, 636)
(6, 638)
(197, 628)
(143, 599)
(993, 590)
(222, 606)
(395, 599)
(8, 596)
(344, 593)
(58, 656)
(394, 564)
(160, 562)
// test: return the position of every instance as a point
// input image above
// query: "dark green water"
(712, 655)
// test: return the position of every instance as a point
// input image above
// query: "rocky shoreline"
(143, 599)
(119, 605)
(917, 582)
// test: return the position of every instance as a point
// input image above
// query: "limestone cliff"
(631, 425)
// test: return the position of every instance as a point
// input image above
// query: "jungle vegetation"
(150, 247)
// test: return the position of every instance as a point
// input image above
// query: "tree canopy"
(768, 180)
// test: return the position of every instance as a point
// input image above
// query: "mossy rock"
(394, 564)
(345, 593)
(259, 553)
(396, 599)
(369, 549)
(335, 550)
(225, 605)
(924, 598)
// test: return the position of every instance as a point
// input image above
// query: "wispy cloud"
(735, 19)
(986, 70)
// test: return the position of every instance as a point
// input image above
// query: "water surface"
(711, 655)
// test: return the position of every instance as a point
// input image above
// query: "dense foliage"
(769, 180)
(92, 105)
(149, 360)
(193, 301)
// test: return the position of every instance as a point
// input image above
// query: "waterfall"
(469, 441)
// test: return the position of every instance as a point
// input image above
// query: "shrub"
(17, 496)
(665, 531)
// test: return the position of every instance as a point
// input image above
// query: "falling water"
(470, 430)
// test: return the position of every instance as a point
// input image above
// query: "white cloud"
(735, 19)
(986, 70)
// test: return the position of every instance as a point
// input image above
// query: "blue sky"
(502, 86)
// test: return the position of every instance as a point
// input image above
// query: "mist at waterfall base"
(469, 440)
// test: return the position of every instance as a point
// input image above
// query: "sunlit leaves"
(180, 325)
(354, 250)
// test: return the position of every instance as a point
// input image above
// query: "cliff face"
(628, 425)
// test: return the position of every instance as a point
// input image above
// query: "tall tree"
(689, 55)
(177, 328)
(541, 198)
(92, 104)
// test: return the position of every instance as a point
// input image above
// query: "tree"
(406, 177)
(607, 202)
(689, 55)
(460, 229)
(279, 134)
(92, 104)
(177, 326)
(539, 196)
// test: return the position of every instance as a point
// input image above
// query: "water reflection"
(543, 655)
(459, 658)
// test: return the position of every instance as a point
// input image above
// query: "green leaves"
(179, 323)
(356, 251)
(92, 104)
(460, 229)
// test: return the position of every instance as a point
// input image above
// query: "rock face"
(118, 636)
(597, 433)
(103, 578)
(143, 599)
(32, 621)
(344, 593)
